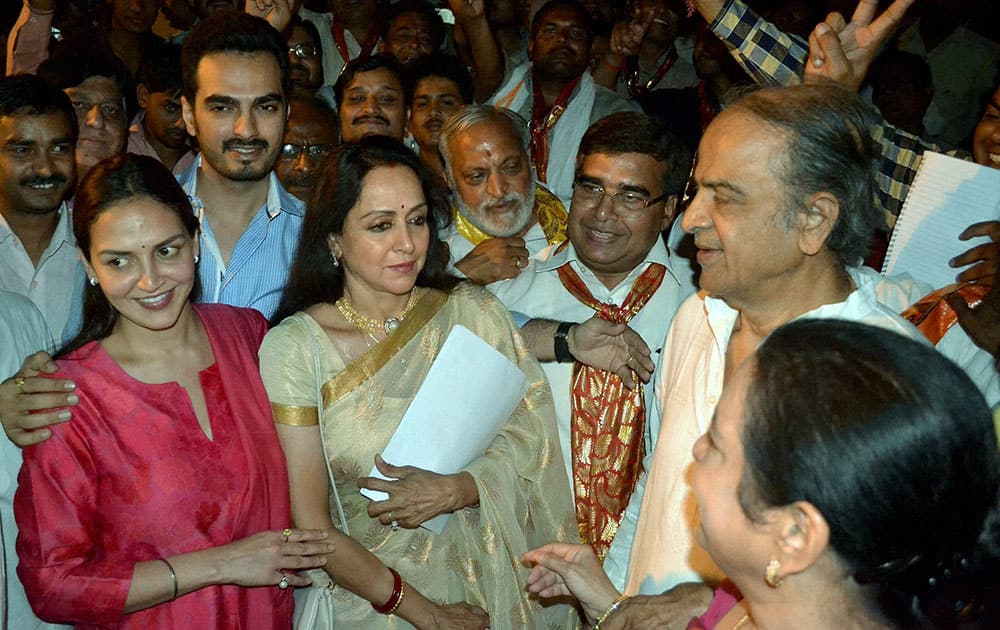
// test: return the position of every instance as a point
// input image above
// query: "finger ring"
(19, 381)
(394, 525)
(286, 533)
(283, 584)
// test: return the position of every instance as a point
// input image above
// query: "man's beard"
(482, 218)
(249, 171)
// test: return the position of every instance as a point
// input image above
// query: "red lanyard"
(543, 120)
(635, 89)
(366, 48)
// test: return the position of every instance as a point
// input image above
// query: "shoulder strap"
(319, 415)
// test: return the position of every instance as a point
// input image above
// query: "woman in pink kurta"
(162, 503)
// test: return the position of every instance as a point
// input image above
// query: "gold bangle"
(612, 608)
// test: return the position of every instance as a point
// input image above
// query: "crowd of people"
(236, 236)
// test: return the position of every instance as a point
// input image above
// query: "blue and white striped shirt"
(258, 268)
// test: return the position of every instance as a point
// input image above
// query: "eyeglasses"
(302, 51)
(314, 151)
(690, 187)
(626, 203)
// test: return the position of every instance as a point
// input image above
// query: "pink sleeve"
(28, 42)
(67, 578)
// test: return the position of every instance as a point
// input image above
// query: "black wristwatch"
(561, 342)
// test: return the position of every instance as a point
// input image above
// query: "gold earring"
(771, 573)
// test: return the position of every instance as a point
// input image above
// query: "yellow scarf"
(548, 210)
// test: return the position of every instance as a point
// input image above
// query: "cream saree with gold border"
(522, 485)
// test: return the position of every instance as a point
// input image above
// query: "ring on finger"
(283, 583)
(286, 534)
(394, 525)
(19, 381)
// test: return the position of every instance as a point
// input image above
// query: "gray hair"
(471, 115)
(829, 149)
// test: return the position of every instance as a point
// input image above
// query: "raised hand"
(465, 10)
(842, 51)
(29, 402)
(278, 13)
(627, 37)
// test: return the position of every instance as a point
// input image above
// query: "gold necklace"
(370, 325)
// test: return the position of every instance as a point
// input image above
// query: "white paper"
(947, 196)
(469, 393)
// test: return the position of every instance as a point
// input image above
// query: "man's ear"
(142, 95)
(187, 113)
(669, 210)
(816, 222)
(803, 536)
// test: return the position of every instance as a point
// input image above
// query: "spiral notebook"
(947, 196)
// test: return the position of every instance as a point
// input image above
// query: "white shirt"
(688, 385)
(22, 332)
(538, 293)
(56, 284)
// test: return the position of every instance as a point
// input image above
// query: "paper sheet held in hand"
(469, 393)
(947, 196)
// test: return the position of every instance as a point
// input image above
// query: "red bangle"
(397, 595)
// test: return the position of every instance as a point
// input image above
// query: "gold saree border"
(369, 364)
(294, 415)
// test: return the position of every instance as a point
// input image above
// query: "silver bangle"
(173, 577)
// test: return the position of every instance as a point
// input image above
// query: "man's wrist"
(561, 342)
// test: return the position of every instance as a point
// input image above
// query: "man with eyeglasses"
(305, 67)
(96, 86)
(310, 134)
(598, 302)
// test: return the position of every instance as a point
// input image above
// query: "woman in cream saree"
(520, 499)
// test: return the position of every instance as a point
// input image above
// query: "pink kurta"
(133, 477)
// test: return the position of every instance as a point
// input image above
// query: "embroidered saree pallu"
(523, 499)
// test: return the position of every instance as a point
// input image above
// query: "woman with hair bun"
(849, 479)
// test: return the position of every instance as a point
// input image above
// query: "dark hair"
(829, 149)
(364, 64)
(420, 7)
(313, 277)
(71, 66)
(111, 181)
(30, 95)
(572, 5)
(633, 132)
(896, 448)
(160, 70)
(440, 65)
(306, 26)
(229, 32)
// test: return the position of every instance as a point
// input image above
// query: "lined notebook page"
(947, 196)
